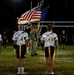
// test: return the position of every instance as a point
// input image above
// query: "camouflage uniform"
(33, 38)
(38, 37)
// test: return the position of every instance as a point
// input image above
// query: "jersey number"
(20, 39)
(50, 39)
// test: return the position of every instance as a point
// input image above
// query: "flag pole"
(31, 5)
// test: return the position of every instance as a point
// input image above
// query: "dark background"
(59, 10)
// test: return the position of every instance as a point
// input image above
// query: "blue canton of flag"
(44, 11)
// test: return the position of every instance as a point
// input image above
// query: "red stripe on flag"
(26, 14)
(31, 14)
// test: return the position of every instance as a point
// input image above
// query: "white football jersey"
(49, 38)
(20, 37)
(0, 37)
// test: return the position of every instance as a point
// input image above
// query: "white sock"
(22, 69)
(19, 69)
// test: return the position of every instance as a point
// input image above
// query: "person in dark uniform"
(63, 39)
(5, 39)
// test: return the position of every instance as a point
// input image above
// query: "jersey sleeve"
(56, 36)
(0, 37)
(43, 36)
(27, 36)
(14, 37)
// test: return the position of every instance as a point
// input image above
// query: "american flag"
(32, 15)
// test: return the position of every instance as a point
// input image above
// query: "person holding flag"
(33, 38)
(50, 40)
(39, 28)
(20, 39)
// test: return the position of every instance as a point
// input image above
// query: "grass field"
(63, 63)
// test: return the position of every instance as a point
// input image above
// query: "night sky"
(58, 10)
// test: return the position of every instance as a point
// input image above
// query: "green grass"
(63, 63)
